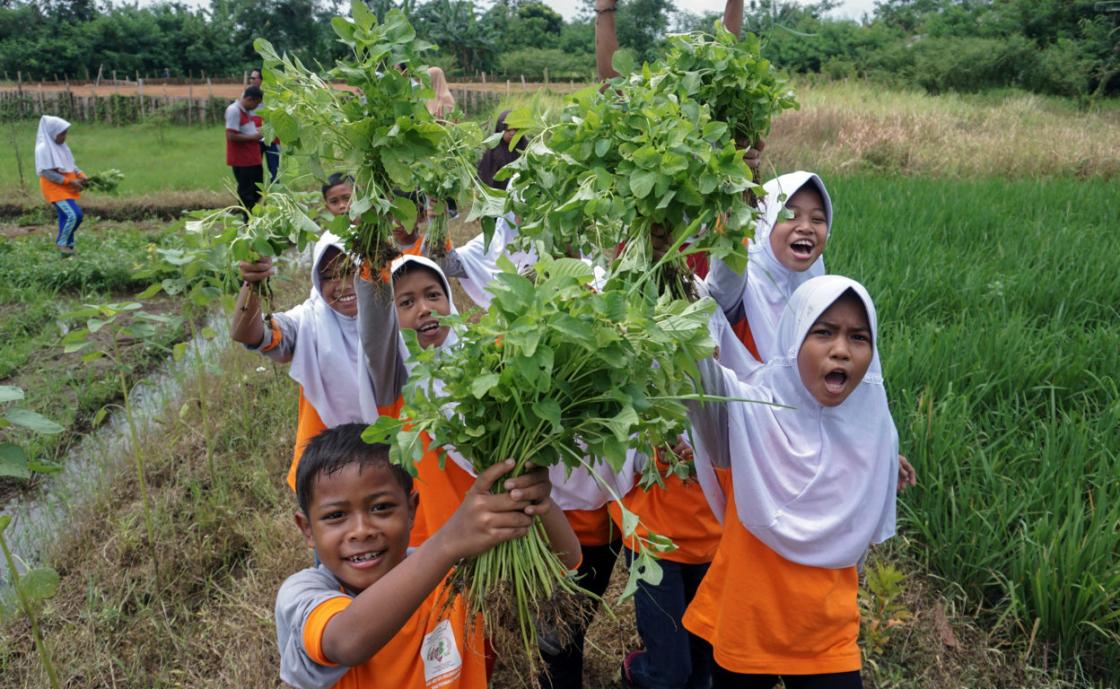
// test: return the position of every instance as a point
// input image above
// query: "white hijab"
(769, 283)
(50, 155)
(327, 359)
(816, 484)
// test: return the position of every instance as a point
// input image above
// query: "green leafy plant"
(31, 590)
(553, 373)
(730, 75)
(639, 156)
(376, 128)
(882, 607)
(122, 323)
(14, 460)
(106, 181)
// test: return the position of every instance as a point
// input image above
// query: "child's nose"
(363, 527)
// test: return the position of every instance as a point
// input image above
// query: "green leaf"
(549, 410)
(13, 461)
(33, 421)
(9, 393)
(151, 291)
(642, 181)
(623, 62)
(482, 384)
(629, 522)
(39, 584)
(179, 350)
(381, 431)
(5, 519)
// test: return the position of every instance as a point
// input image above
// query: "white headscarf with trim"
(814, 483)
(769, 283)
(327, 359)
(50, 155)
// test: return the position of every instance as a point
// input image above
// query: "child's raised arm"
(606, 38)
(733, 17)
(483, 520)
(379, 330)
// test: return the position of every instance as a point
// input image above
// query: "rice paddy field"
(999, 304)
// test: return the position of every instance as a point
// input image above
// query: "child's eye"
(822, 332)
(382, 506)
(333, 516)
(861, 337)
(404, 303)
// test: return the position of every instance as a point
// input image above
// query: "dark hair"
(337, 448)
(253, 92)
(335, 180)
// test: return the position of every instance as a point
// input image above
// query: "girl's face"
(420, 298)
(336, 283)
(337, 198)
(60, 138)
(837, 351)
(406, 237)
(798, 242)
(508, 135)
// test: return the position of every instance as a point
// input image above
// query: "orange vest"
(54, 193)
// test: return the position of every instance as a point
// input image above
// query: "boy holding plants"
(374, 614)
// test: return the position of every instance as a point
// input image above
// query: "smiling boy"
(373, 614)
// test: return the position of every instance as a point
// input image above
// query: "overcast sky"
(852, 9)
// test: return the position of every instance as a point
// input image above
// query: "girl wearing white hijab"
(60, 180)
(812, 488)
(319, 338)
(783, 254)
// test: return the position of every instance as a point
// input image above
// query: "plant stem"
(137, 458)
(28, 609)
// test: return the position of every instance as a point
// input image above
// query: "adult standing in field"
(243, 149)
(269, 152)
(59, 178)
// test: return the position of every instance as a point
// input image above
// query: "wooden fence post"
(190, 101)
(140, 93)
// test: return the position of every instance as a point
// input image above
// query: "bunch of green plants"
(640, 156)
(107, 181)
(730, 75)
(30, 590)
(555, 372)
(376, 128)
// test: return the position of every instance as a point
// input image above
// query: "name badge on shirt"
(440, 655)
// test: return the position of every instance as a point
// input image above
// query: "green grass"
(1000, 311)
(186, 159)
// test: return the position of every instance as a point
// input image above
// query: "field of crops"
(1000, 312)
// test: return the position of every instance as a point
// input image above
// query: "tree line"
(1063, 47)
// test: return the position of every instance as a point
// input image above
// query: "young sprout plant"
(14, 460)
(31, 590)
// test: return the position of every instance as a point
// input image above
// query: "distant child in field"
(319, 338)
(243, 146)
(443, 104)
(813, 486)
(60, 180)
(373, 614)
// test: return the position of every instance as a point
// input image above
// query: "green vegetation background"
(1064, 47)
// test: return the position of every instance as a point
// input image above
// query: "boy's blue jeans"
(674, 658)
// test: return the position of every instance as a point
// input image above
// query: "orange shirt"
(766, 615)
(679, 511)
(308, 425)
(431, 650)
(592, 527)
(54, 193)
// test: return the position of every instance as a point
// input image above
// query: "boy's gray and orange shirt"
(431, 651)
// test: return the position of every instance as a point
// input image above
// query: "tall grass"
(1000, 305)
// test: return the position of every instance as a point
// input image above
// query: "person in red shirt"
(243, 146)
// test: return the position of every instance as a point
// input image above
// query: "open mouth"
(346, 299)
(835, 381)
(428, 328)
(363, 560)
(802, 248)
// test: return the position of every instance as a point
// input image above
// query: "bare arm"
(483, 521)
(606, 39)
(733, 17)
